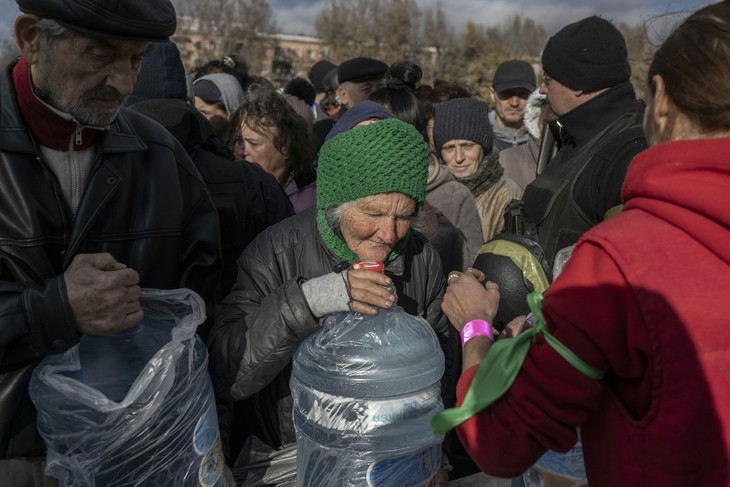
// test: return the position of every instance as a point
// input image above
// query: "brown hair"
(265, 107)
(694, 62)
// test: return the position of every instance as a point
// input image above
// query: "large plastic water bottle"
(135, 408)
(364, 389)
(111, 363)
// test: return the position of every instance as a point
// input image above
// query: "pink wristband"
(476, 328)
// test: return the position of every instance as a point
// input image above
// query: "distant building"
(278, 56)
(284, 55)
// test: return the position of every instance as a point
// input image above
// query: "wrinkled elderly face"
(462, 157)
(87, 77)
(372, 226)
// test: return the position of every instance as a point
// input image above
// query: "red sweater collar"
(51, 129)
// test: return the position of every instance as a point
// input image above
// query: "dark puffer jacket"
(144, 203)
(248, 199)
(259, 326)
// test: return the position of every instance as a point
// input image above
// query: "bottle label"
(206, 431)
(369, 415)
(207, 443)
(418, 469)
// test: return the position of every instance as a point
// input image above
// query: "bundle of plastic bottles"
(133, 408)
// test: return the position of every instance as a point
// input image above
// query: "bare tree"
(402, 29)
(389, 30)
(522, 38)
(485, 49)
(214, 28)
(439, 36)
(474, 49)
(641, 52)
(351, 28)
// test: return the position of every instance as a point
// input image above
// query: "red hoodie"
(641, 298)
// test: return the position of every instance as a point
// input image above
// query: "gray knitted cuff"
(327, 294)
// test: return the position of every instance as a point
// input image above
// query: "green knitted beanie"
(382, 157)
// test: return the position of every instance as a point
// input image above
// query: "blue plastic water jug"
(364, 389)
(134, 408)
(111, 363)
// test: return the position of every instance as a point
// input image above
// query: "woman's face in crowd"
(216, 115)
(372, 226)
(257, 146)
(462, 157)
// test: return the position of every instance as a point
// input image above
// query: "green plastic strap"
(500, 367)
(613, 211)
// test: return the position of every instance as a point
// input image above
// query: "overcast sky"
(297, 16)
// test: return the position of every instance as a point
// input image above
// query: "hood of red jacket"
(686, 183)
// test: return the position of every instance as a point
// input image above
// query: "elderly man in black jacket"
(96, 201)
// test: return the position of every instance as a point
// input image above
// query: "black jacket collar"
(588, 119)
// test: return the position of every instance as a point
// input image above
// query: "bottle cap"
(371, 265)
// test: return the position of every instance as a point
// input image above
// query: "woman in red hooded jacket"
(640, 303)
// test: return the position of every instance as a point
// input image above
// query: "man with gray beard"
(96, 201)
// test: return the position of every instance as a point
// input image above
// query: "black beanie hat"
(462, 118)
(302, 89)
(161, 75)
(587, 55)
(317, 73)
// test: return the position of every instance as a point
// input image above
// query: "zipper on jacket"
(78, 140)
(560, 130)
(60, 201)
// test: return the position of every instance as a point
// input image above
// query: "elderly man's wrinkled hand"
(368, 291)
(104, 295)
(468, 299)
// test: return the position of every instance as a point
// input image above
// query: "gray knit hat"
(462, 118)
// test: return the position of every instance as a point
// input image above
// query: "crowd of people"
(120, 170)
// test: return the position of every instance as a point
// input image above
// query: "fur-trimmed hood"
(533, 110)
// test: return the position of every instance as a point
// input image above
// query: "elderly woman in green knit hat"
(371, 184)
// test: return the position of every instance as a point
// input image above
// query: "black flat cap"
(359, 69)
(136, 20)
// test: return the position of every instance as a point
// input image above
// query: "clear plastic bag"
(136, 408)
(365, 389)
